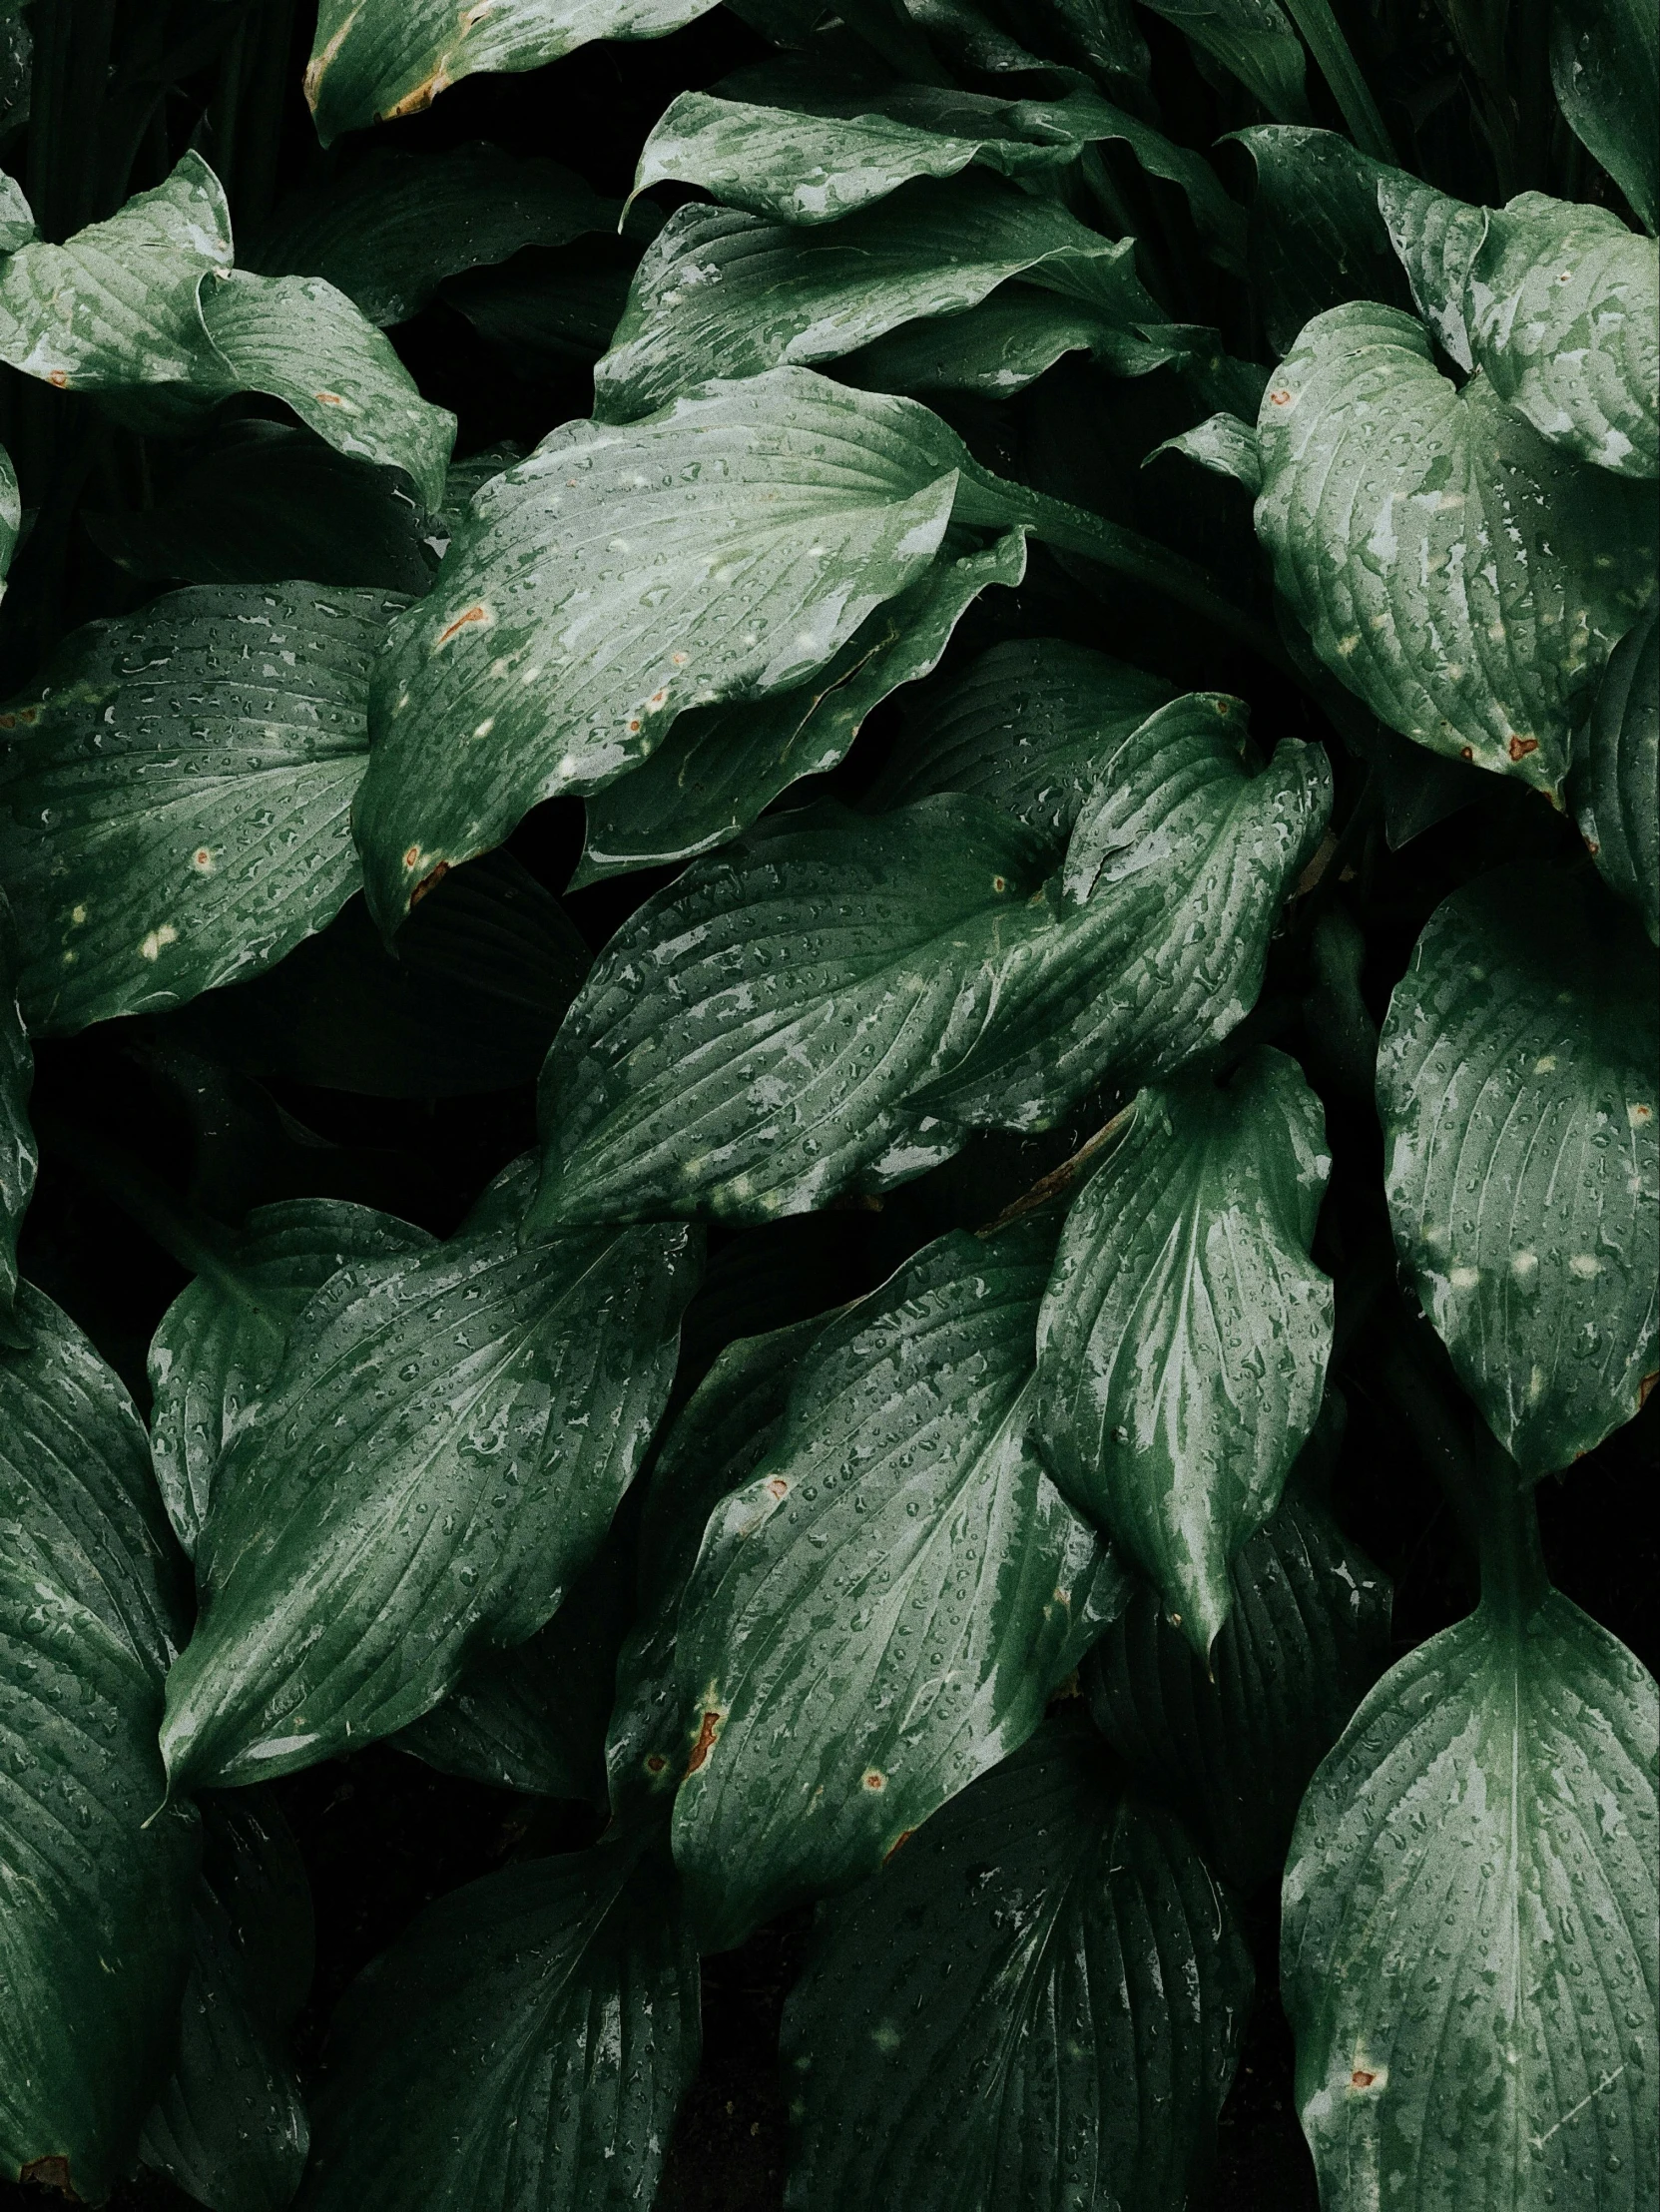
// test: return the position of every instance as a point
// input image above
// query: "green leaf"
(720, 767)
(375, 60)
(174, 794)
(1315, 235)
(17, 218)
(834, 1002)
(398, 223)
(1469, 1940)
(526, 2044)
(545, 312)
(95, 1886)
(1232, 1746)
(11, 515)
(229, 2128)
(1253, 40)
(1030, 725)
(1462, 576)
(1605, 66)
(1516, 1082)
(437, 1456)
(882, 1610)
(485, 969)
(219, 1343)
(1183, 1339)
(1618, 786)
(1006, 344)
(719, 293)
(1222, 444)
(1041, 2003)
(18, 1155)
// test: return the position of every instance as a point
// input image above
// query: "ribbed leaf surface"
(1605, 66)
(16, 1139)
(1618, 786)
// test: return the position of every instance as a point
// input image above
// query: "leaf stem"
(1319, 25)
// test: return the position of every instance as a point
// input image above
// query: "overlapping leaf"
(1315, 235)
(1462, 576)
(1007, 341)
(1039, 2003)
(1251, 38)
(1605, 66)
(1516, 1081)
(95, 1886)
(437, 1456)
(882, 1610)
(18, 1158)
(174, 794)
(1619, 782)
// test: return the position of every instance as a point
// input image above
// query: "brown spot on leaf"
(421, 97)
(1361, 2079)
(1281, 398)
(329, 399)
(1466, 753)
(412, 858)
(708, 1730)
(427, 881)
(898, 1844)
(874, 1778)
(1645, 1388)
(655, 1762)
(50, 2173)
(1520, 748)
(59, 379)
(461, 622)
(778, 1488)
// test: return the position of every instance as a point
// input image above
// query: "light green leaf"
(375, 60)
(219, 1343)
(17, 218)
(398, 223)
(1253, 40)
(1222, 444)
(1436, 240)
(1516, 1082)
(881, 1612)
(1460, 575)
(1468, 1943)
(11, 515)
(833, 1003)
(94, 1887)
(1184, 1337)
(1618, 786)
(437, 1456)
(174, 794)
(720, 767)
(18, 1155)
(1605, 66)
(1041, 2003)
(1315, 236)
(723, 293)
(525, 2044)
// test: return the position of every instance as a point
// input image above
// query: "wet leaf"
(1618, 785)
(1516, 1083)
(1040, 2001)
(18, 1158)
(1605, 66)
(11, 515)
(1222, 444)
(1315, 235)
(1007, 342)
(1254, 41)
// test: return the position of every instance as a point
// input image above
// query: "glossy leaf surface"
(1039, 2003)
(1007, 342)
(1251, 38)
(1618, 785)
(18, 1157)
(1605, 66)
(1315, 235)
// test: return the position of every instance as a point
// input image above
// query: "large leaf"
(437, 1456)
(1315, 235)
(1516, 1080)
(375, 60)
(219, 1343)
(1254, 41)
(1605, 66)
(18, 1158)
(882, 1610)
(1468, 1941)
(174, 794)
(1460, 575)
(834, 1002)
(95, 1884)
(1008, 342)
(720, 767)
(719, 293)
(399, 223)
(1618, 788)
(547, 311)
(11, 515)
(1041, 2003)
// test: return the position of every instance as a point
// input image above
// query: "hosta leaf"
(11, 515)
(18, 1158)
(94, 1886)
(1224, 445)
(1254, 41)
(523, 2048)
(835, 1002)
(720, 767)
(546, 312)
(229, 2128)
(219, 1343)
(1041, 2003)
(1183, 1344)
(1605, 66)
(1030, 725)
(1619, 786)
(17, 218)
(1315, 235)
(437, 1456)
(485, 970)
(375, 60)
(719, 293)
(1007, 343)
(1233, 1743)
(174, 794)
(399, 223)
(1460, 575)
(1469, 1940)
(882, 1610)
(1516, 1081)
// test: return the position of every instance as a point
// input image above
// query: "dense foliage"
(728, 1112)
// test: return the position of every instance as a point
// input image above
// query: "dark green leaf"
(95, 1887)
(1039, 2004)
(1222, 444)
(1619, 785)
(11, 515)
(1605, 66)
(882, 1610)
(1460, 575)
(547, 311)
(1516, 1082)
(18, 1158)
(523, 2048)
(1254, 41)
(174, 794)
(436, 1459)
(1008, 342)
(1315, 235)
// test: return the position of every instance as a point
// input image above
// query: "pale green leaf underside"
(1516, 1083)
(882, 1610)
(1605, 66)
(1618, 782)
